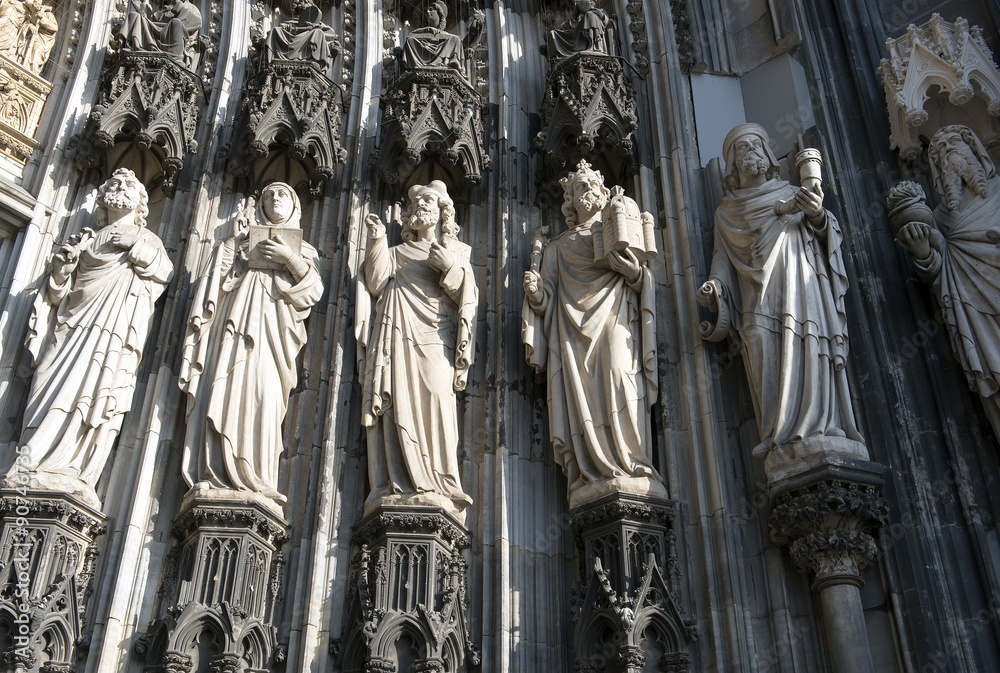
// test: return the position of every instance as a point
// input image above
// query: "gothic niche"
(625, 610)
(27, 38)
(289, 125)
(149, 93)
(432, 109)
(49, 551)
(220, 587)
(406, 610)
(589, 106)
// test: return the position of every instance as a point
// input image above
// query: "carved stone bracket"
(588, 113)
(408, 580)
(292, 108)
(625, 543)
(153, 99)
(433, 112)
(830, 526)
(953, 57)
(219, 590)
(49, 550)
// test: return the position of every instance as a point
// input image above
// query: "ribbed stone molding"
(49, 550)
(828, 518)
(624, 609)
(407, 608)
(220, 589)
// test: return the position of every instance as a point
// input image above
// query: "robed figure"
(245, 331)
(305, 38)
(165, 30)
(434, 47)
(959, 254)
(417, 354)
(590, 325)
(86, 336)
(778, 283)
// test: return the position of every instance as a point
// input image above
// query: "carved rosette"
(49, 550)
(829, 528)
(433, 113)
(151, 98)
(588, 113)
(408, 580)
(625, 544)
(952, 57)
(290, 107)
(223, 586)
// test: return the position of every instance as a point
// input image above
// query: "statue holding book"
(245, 331)
(588, 321)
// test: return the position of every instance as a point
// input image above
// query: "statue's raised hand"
(439, 257)
(810, 201)
(626, 263)
(375, 227)
(276, 250)
(915, 238)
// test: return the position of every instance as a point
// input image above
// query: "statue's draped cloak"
(785, 284)
(87, 341)
(245, 331)
(417, 357)
(597, 341)
(967, 283)
(432, 47)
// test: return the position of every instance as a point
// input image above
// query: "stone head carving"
(584, 194)
(122, 191)
(747, 152)
(958, 160)
(279, 206)
(437, 15)
(429, 206)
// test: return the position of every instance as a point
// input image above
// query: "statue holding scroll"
(87, 334)
(245, 331)
(588, 321)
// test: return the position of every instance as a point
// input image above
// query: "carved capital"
(829, 528)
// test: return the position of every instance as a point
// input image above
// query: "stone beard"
(593, 331)
(245, 331)
(779, 284)
(960, 258)
(87, 333)
(418, 355)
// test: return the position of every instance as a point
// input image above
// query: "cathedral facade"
(402, 336)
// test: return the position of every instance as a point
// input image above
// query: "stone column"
(625, 544)
(408, 580)
(828, 518)
(49, 547)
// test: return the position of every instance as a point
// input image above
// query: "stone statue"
(418, 355)
(434, 47)
(245, 331)
(27, 32)
(167, 30)
(589, 322)
(589, 30)
(778, 283)
(87, 333)
(956, 250)
(305, 38)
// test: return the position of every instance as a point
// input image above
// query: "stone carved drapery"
(417, 352)
(245, 331)
(221, 588)
(779, 283)
(953, 57)
(957, 250)
(87, 335)
(290, 104)
(431, 106)
(150, 90)
(49, 548)
(28, 32)
(590, 29)
(588, 321)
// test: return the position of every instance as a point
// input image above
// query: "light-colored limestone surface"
(245, 331)
(87, 335)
